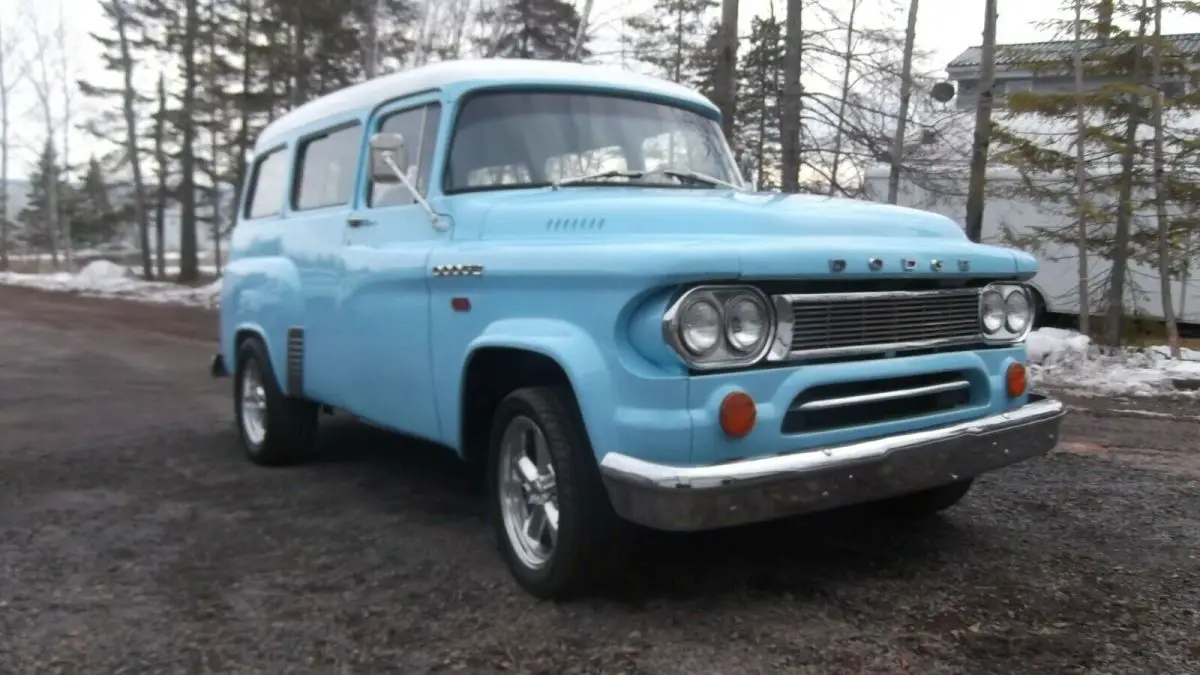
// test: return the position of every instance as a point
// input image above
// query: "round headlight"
(1016, 305)
(745, 323)
(993, 313)
(700, 327)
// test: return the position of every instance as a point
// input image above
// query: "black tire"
(927, 503)
(289, 425)
(593, 544)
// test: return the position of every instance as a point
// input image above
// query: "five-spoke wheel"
(551, 513)
(529, 502)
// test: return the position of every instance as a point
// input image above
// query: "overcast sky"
(944, 27)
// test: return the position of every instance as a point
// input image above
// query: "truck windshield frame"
(510, 139)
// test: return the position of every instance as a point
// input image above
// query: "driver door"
(383, 304)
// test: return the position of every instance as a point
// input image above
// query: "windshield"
(527, 139)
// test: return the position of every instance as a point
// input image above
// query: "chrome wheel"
(254, 404)
(528, 492)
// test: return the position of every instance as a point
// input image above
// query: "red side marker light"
(460, 304)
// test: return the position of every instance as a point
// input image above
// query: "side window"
(326, 167)
(419, 127)
(267, 184)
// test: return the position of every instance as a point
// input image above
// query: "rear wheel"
(274, 429)
(555, 525)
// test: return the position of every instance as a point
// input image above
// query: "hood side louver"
(575, 224)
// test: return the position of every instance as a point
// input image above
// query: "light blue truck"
(556, 271)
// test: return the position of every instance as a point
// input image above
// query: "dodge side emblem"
(964, 265)
(935, 265)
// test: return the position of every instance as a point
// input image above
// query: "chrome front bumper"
(706, 497)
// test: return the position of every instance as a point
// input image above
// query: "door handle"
(358, 221)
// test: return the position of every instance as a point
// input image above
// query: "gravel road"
(135, 539)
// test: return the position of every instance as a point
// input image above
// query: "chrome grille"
(852, 323)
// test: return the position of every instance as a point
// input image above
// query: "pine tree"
(35, 221)
(759, 90)
(669, 35)
(534, 29)
(93, 219)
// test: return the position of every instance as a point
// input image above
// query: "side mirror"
(387, 157)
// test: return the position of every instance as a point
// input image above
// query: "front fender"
(574, 350)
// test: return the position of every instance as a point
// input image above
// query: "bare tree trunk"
(581, 34)
(727, 67)
(789, 125)
(160, 159)
(218, 121)
(1185, 273)
(847, 61)
(910, 35)
(983, 123)
(7, 46)
(128, 95)
(188, 264)
(371, 65)
(243, 136)
(68, 87)
(1120, 254)
(1160, 197)
(42, 82)
(1082, 207)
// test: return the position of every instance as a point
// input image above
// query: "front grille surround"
(826, 325)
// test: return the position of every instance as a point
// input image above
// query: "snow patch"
(1067, 360)
(103, 271)
(105, 279)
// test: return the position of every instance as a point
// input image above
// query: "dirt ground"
(135, 539)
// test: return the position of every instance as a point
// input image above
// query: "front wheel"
(555, 525)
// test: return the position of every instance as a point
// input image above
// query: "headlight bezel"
(1005, 334)
(724, 354)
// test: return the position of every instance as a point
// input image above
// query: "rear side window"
(326, 167)
(267, 185)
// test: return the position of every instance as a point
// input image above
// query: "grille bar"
(837, 324)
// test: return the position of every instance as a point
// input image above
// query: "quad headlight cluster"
(713, 327)
(720, 326)
(1005, 312)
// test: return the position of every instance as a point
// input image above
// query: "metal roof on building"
(1059, 50)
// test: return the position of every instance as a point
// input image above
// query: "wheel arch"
(520, 353)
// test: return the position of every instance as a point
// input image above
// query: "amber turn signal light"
(1014, 380)
(738, 414)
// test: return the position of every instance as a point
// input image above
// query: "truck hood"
(751, 235)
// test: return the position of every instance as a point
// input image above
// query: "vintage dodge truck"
(556, 271)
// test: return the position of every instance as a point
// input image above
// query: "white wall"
(1058, 274)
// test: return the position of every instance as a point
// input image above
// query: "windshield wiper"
(615, 173)
(694, 176)
(698, 177)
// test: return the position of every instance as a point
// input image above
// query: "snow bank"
(1067, 360)
(105, 279)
